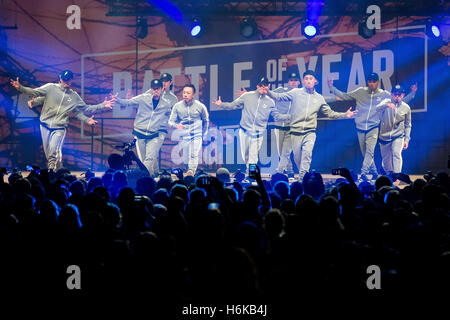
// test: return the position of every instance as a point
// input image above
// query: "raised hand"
(414, 87)
(15, 83)
(218, 102)
(390, 105)
(240, 92)
(350, 113)
(92, 121)
(30, 103)
(110, 103)
(180, 126)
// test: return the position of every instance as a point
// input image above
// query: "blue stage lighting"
(432, 29)
(309, 30)
(196, 28)
(435, 31)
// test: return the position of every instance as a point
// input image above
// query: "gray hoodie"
(169, 95)
(58, 104)
(149, 120)
(256, 109)
(304, 109)
(394, 123)
(367, 118)
(193, 116)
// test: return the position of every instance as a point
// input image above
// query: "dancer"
(150, 125)
(367, 121)
(191, 116)
(256, 108)
(59, 101)
(395, 130)
(306, 103)
(282, 128)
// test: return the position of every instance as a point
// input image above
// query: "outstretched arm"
(343, 95)
(106, 105)
(236, 104)
(41, 91)
(412, 94)
(282, 96)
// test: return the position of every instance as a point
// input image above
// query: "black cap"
(166, 77)
(312, 73)
(293, 75)
(373, 77)
(66, 75)
(264, 81)
(398, 89)
(156, 83)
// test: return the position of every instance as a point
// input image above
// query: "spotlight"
(141, 28)
(364, 31)
(432, 29)
(309, 30)
(248, 28)
(196, 27)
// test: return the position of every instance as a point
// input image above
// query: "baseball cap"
(264, 81)
(310, 72)
(398, 89)
(166, 77)
(156, 83)
(66, 75)
(373, 77)
(293, 75)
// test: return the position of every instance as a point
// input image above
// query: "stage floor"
(327, 178)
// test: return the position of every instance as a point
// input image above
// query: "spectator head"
(296, 190)
(282, 189)
(278, 177)
(382, 181)
(223, 175)
(145, 186)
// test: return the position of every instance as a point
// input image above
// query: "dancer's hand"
(30, 103)
(405, 145)
(110, 103)
(92, 121)
(180, 126)
(350, 113)
(390, 105)
(218, 102)
(15, 83)
(240, 92)
(414, 87)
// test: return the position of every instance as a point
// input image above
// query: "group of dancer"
(379, 116)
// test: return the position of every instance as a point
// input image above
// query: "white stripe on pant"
(250, 146)
(52, 141)
(391, 152)
(302, 146)
(148, 151)
(284, 146)
(191, 147)
(367, 142)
